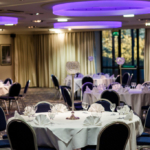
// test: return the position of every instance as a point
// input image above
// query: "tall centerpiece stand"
(72, 68)
(120, 61)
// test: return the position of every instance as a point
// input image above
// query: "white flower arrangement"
(73, 67)
(120, 60)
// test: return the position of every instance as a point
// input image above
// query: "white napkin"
(116, 86)
(96, 108)
(126, 109)
(28, 111)
(139, 86)
(129, 116)
(101, 87)
(145, 89)
(17, 116)
(103, 77)
(59, 108)
(92, 121)
(122, 90)
(87, 89)
(112, 76)
(96, 92)
(107, 75)
(96, 76)
(1, 84)
(42, 120)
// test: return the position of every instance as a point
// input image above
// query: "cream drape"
(147, 56)
(39, 56)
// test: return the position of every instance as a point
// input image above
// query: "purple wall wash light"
(8, 20)
(88, 25)
(102, 8)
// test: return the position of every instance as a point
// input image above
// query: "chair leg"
(17, 105)
(6, 106)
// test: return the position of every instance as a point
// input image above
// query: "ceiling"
(26, 11)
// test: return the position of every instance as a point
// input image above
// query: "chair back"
(43, 107)
(125, 78)
(26, 87)
(66, 96)
(117, 79)
(100, 73)
(112, 96)
(87, 79)
(89, 84)
(55, 82)
(111, 85)
(130, 79)
(14, 90)
(8, 80)
(21, 135)
(2, 120)
(147, 120)
(113, 136)
(147, 83)
(105, 103)
(77, 74)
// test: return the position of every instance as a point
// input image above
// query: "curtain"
(147, 56)
(50, 54)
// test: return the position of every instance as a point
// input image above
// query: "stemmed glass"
(132, 84)
(119, 109)
(85, 106)
(51, 115)
(112, 108)
(34, 110)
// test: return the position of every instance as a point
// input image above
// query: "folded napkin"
(107, 75)
(112, 76)
(129, 116)
(59, 108)
(122, 90)
(42, 120)
(28, 111)
(116, 86)
(125, 109)
(145, 89)
(96, 76)
(101, 87)
(92, 121)
(17, 116)
(103, 77)
(96, 108)
(139, 86)
(87, 89)
(1, 84)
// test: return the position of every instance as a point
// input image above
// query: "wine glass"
(134, 84)
(34, 109)
(85, 106)
(51, 115)
(112, 108)
(119, 108)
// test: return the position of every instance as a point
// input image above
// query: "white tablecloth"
(134, 99)
(72, 134)
(78, 82)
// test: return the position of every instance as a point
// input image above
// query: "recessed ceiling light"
(55, 30)
(37, 13)
(62, 20)
(128, 15)
(37, 21)
(31, 27)
(147, 23)
(9, 24)
(69, 29)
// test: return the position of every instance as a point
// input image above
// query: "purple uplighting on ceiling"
(102, 8)
(8, 20)
(88, 25)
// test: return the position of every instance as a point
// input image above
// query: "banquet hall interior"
(74, 74)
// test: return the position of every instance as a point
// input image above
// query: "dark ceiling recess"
(144, 19)
(17, 11)
(43, 27)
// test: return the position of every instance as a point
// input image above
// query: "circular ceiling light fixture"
(88, 25)
(8, 20)
(101, 8)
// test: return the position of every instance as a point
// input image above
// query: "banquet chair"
(130, 79)
(87, 79)
(8, 80)
(113, 136)
(117, 79)
(89, 84)
(112, 96)
(111, 85)
(67, 98)
(12, 96)
(43, 107)
(125, 78)
(105, 103)
(147, 83)
(4, 144)
(3, 122)
(122, 103)
(22, 136)
(57, 87)
(24, 94)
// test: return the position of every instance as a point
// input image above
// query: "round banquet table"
(133, 98)
(72, 134)
(97, 81)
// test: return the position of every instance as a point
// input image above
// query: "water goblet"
(112, 108)
(119, 109)
(85, 106)
(51, 115)
(132, 84)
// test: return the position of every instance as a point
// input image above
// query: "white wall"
(6, 71)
